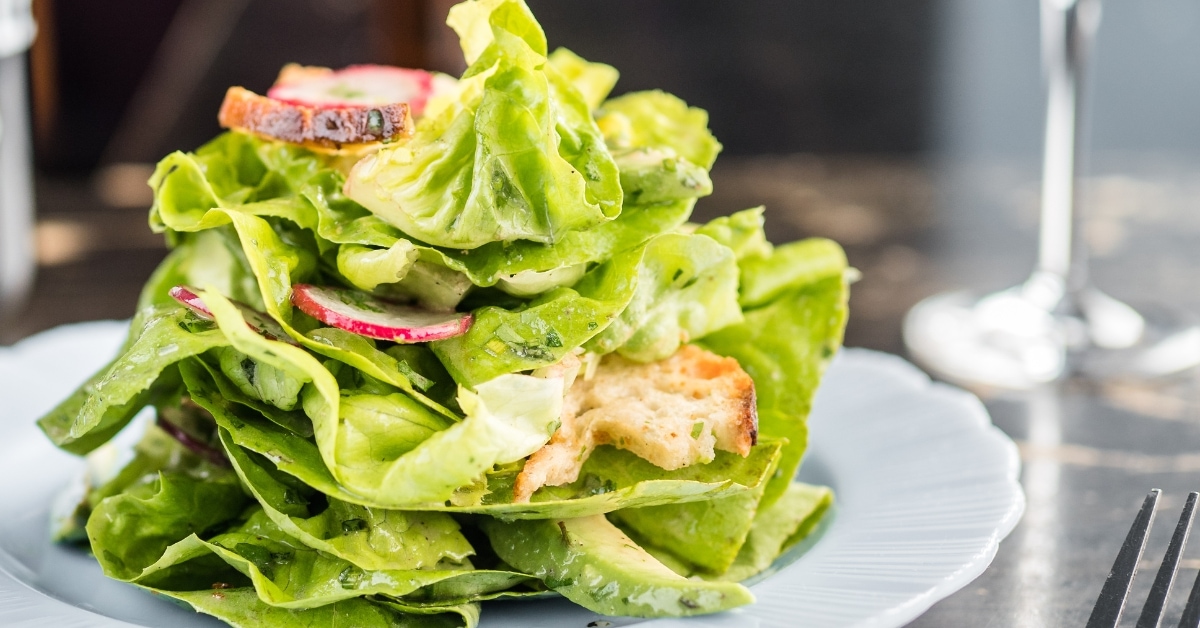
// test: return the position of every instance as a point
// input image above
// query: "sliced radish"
(362, 314)
(255, 320)
(358, 85)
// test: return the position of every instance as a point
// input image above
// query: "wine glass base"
(1012, 340)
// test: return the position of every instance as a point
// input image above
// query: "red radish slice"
(189, 299)
(362, 314)
(358, 85)
(255, 320)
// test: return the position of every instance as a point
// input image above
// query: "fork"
(1115, 592)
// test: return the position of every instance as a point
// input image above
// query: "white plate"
(926, 489)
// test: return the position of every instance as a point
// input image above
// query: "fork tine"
(1191, 612)
(1157, 601)
(1111, 602)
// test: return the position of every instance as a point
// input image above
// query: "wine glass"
(1056, 323)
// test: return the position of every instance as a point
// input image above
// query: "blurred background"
(910, 130)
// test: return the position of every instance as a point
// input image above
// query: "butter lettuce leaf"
(656, 119)
(595, 565)
(742, 232)
(593, 80)
(517, 157)
(370, 538)
(143, 374)
(708, 534)
(130, 531)
(779, 527)
(507, 419)
(785, 347)
(766, 278)
(686, 287)
(241, 608)
(288, 574)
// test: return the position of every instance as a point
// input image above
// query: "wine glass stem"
(1068, 27)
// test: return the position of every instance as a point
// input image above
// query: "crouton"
(673, 413)
(318, 127)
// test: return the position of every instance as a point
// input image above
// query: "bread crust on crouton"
(328, 128)
(672, 413)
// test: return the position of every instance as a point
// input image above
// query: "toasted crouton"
(672, 413)
(321, 128)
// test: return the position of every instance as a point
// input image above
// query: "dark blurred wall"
(93, 54)
(777, 76)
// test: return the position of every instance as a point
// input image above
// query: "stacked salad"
(350, 355)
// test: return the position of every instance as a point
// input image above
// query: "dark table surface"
(1090, 450)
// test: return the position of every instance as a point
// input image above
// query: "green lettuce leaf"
(767, 278)
(155, 452)
(642, 302)
(288, 574)
(593, 564)
(707, 534)
(593, 80)
(686, 288)
(366, 268)
(518, 156)
(369, 252)
(260, 380)
(490, 263)
(785, 347)
(142, 375)
(742, 232)
(778, 528)
(656, 119)
(241, 608)
(130, 531)
(656, 175)
(508, 418)
(370, 538)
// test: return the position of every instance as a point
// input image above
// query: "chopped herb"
(194, 324)
(553, 339)
(350, 577)
(697, 429)
(531, 351)
(359, 300)
(593, 485)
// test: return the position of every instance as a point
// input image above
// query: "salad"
(423, 342)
